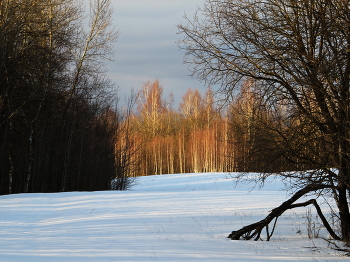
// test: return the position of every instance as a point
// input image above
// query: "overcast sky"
(146, 49)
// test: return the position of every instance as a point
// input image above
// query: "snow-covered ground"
(184, 217)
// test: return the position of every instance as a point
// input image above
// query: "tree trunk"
(344, 214)
(10, 174)
(30, 160)
(343, 205)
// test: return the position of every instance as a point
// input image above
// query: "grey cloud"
(146, 49)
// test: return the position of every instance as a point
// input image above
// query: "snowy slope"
(184, 217)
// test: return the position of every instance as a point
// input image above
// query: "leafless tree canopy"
(298, 53)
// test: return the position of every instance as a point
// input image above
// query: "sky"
(146, 49)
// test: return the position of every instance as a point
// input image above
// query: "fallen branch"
(254, 230)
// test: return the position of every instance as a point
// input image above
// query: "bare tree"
(126, 149)
(298, 51)
(95, 47)
(151, 108)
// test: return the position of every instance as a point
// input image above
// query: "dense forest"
(202, 135)
(58, 119)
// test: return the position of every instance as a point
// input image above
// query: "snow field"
(184, 217)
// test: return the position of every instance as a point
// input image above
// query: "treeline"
(191, 139)
(244, 135)
(58, 120)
